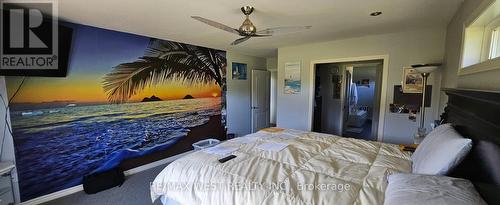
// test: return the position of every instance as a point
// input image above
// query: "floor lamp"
(425, 70)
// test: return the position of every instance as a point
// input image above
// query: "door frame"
(383, 93)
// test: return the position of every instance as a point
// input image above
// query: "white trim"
(462, 47)
(156, 163)
(492, 64)
(383, 93)
(75, 189)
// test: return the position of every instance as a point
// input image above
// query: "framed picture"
(292, 78)
(412, 81)
(239, 71)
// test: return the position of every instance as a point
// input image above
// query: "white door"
(260, 99)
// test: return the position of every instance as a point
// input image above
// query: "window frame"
(486, 63)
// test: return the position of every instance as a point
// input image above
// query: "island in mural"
(125, 96)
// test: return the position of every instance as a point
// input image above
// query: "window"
(493, 44)
(481, 46)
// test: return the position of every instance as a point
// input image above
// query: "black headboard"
(476, 115)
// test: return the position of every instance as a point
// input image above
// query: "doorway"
(347, 98)
(260, 99)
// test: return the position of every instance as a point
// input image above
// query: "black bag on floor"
(97, 182)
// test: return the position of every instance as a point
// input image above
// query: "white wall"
(487, 80)
(272, 63)
(239, 93)
(403, 48)
(8, 143)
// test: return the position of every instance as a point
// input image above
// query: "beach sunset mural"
(127, 99)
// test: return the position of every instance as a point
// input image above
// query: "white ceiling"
(330, 19)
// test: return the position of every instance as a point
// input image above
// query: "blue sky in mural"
(113, 49)
(94, 53)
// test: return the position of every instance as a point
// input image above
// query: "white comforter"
(313, 169)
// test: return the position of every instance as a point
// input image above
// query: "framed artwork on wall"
(413, 81)
(292, 78)
(239, 71)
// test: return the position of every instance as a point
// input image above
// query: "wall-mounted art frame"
(292, 78)
(413, 81)
(239, 71)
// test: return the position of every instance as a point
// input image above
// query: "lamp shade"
(426, 68)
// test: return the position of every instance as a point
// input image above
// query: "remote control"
(225, 159)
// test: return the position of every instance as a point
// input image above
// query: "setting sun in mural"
(90, 91)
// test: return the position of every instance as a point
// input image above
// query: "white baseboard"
(75, 189)
(155, 164)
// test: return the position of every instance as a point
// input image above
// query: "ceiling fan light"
(247, 27)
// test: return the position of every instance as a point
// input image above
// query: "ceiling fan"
(248, 30)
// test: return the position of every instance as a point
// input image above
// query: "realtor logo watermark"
(29, 34)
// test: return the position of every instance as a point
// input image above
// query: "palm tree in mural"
(165, 61)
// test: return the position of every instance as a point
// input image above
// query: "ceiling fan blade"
(216, 25)
(282, 30)
(240, 40)
(257, 35)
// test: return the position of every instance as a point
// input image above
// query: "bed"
(314, 168)
(331, 162)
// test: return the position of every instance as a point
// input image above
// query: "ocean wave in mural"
(126, 97)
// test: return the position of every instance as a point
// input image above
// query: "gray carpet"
(366, 132)
(135, 191)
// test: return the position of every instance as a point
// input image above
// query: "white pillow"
(440, 151)
(413, 189)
